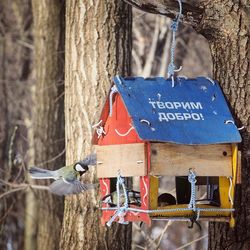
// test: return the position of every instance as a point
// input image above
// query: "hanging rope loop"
(121, 208)
(174, 27)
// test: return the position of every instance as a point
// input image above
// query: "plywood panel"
(128, 158)
(176, 160)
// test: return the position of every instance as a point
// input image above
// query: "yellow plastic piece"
(153, 193)
(234, 164)
(224, 188)
(234, 175)
(232, 222)
(190, 213)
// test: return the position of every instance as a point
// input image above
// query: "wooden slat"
(238, 178)
(128, 158)
(176, 160)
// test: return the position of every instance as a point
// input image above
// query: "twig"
(52, 159)
(11, 191)
(138, 246)
(12, 138)
(147, 238)
(190, 243)
(165, 56)
(163, 232)
(25, 185)
(25, 44)
(137, 62)
(7, 212)
(149, 63)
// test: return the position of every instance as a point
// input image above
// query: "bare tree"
(98, 46)
(15, 115)
(49, 146)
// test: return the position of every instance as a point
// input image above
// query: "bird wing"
(62, 187)
(89, 160)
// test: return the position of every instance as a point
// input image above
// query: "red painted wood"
(120, 121)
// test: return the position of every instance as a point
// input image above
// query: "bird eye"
(79, 168)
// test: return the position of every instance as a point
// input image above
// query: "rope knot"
(192, 177)
(99, 129)
(171, 69)
(174, 25)
(192, 180)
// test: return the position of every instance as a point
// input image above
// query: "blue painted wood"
(194, 111)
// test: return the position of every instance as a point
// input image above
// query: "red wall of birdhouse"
(119, 121)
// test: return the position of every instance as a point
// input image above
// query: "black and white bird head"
(81, 168)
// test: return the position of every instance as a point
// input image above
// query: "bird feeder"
(150, 127)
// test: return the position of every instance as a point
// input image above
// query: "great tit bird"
(67, 179)
(134, 198)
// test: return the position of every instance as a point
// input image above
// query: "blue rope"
(121, 210)
(192, 180)
(174, 28)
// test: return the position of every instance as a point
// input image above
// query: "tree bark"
(98, 46)
(49, 145)
(230, 49)
(15, 85)
(225, 24)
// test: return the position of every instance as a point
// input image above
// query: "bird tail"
(39, 173)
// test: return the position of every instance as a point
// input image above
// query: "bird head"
(81, 168)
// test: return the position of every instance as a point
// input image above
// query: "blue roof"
(193, 111)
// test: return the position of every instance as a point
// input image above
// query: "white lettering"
(177, 105)
(187, 116)
(196, 105)
(162, 116)
(196, 116)
(160, 105)
(179, 116)
(169, 105)
(153, 104)
(185, 105)
(171, 116)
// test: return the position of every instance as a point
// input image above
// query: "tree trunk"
(49, 28)
(98, 46)
(230, 49)
(15, 87)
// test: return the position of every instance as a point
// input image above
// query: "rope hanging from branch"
(174, 27)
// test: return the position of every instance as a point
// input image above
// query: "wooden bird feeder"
(150, 128)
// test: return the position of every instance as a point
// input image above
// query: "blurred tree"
(225, 24)
(49, 30)
(98, 46)
(15, 116)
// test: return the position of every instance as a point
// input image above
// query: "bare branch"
(138, 246)
(146, 237)
(10, 152)
(192, 13)
(52, 159)
(163, 232)
(191, 242)
(26, 45)
(150, 58)
(137, 62)
(11, 191)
